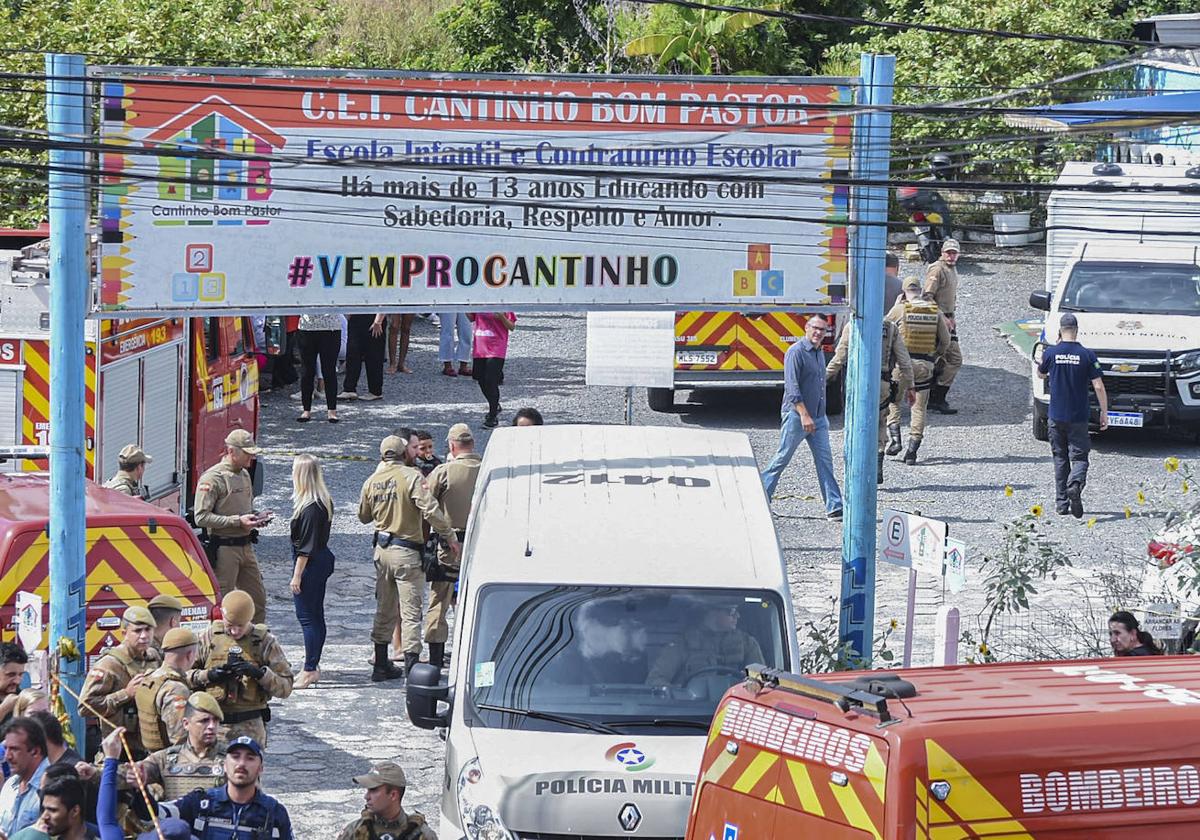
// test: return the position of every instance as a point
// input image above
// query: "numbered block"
(772, 283)
(745, 283)
(198, 257)
(185, 288)
(212, 286)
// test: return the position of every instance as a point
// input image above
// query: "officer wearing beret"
(224, 508)
(168, 614)
(197, 762)
(244, 667)
(395, 500)
(162, 697)
(384, 818)
(131, 466)
(113, 681)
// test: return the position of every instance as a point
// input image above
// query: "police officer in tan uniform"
(168, 614)
(926, 335)
(196, 762)
(131, 466)
(113, 681)
(244, 668)
(384, 818)
(897, 376)
(453, 485)
(395, 500)
(941, 287)
(161, 699)
(225, 509)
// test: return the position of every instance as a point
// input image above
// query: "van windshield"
(1146, 288)
(564, 658)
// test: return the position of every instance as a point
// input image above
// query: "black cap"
(1068, 320)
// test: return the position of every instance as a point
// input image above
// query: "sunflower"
(1036, 510)
(1008, 491)
(1171, 464)
(1128, 513)
(1141, 498)
(1092, 522)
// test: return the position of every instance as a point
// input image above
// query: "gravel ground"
(322, 736)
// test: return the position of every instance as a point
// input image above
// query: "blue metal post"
(856, 623)
(69, 280)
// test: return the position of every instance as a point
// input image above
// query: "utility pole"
(69, 280)
(856, 621)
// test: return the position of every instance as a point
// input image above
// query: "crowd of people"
(178, 721)
(470, 344)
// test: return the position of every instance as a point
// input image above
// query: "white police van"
(616, 582)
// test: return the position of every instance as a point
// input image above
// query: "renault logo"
(629, 817)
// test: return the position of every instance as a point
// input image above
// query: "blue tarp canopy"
(1112, 114)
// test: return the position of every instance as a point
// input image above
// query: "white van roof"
(634, 504)
(1159, 252)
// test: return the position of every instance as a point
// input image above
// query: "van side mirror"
(1040, 300)
(421, 696)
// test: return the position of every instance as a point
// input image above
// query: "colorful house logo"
(215, 125)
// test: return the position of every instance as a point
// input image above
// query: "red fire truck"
(174, 386)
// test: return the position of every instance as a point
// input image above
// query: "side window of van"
(239, 331)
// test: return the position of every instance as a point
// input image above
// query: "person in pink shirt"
(489, 349)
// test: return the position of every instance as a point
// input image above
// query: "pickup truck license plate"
(696, 357)
(1132, 419)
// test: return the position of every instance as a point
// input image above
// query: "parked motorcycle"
(928, 212)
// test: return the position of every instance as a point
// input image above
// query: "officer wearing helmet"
(131, 466)
(244, 667)
(941, 287)
(112, 683)
(925, 334)
(162, 697)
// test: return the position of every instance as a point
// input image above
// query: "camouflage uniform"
(223, 494)
(161, 701)
(244, 700)
(125, 483)
(104, 691)
(370, 827)
(182, 768)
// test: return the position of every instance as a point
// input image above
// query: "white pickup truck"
(1126, 263)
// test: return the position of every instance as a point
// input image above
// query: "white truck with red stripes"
(174, 386)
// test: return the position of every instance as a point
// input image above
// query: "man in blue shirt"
(1070, 367)
(804, 415)
(25, 749)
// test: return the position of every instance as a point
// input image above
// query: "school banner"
(276, 191)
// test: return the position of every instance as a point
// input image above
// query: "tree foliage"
(949, 67)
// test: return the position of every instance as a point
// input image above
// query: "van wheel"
(835, 394)
(660, 399)
(1041, 422)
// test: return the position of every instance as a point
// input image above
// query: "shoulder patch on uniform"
(203, 487)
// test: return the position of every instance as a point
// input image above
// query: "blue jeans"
(791, 434)
(310, 605)
(452, 323)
